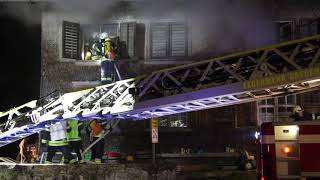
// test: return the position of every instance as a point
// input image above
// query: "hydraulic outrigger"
(290, 67)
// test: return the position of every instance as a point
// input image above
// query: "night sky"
(20, 60)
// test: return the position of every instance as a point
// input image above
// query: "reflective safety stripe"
(314, 138)
(58, 143)
(108, 78)
(44, 141)
(267, 139)
(75, 139)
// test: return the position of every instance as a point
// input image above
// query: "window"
(127, 37)
(309, 27)
(176, 121)
(168, 40)
(276, 109)
(71, 40)
(92, 42)
(83, 42)
(286, 30)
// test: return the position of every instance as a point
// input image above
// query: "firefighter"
(107, 66)
(96, 131)
(44, 139)
(58, 141)
(300, 115)
(108, 46)
(96, 48)
(74, 138)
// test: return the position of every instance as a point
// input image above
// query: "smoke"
(216, 25)
(232, 25)
(25, 12)
(93, 11)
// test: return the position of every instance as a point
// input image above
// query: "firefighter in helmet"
(96, 49)
(300, 115)
(107, 66)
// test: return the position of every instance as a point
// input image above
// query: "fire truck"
(289, 150)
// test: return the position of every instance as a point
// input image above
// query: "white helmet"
(95, 35)
(297, 109)
(103, 35)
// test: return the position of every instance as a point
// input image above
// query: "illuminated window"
(177, 120)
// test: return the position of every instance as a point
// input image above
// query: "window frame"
(82, 38)
(291, 36)
(169, 31)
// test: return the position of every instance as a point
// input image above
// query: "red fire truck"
(289, 150)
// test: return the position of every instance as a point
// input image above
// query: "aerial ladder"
(277, 70)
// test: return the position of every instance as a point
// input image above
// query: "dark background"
(20, 58)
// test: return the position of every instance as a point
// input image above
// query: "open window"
(168, 40)
(85, 42)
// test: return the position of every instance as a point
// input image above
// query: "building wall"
(211, 32)
(213, 29)
(57, 72)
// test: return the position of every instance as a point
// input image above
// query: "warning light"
(287, 150)
(262, 178)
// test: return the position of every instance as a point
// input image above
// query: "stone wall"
(74, 172)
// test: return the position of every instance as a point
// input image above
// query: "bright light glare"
(287, 150)
(82, 55)
(257, 134)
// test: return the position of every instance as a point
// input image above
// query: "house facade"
(155, 35)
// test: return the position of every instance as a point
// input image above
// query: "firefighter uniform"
(74, 138)
(58, 142)
(109, 49)
(45, 137)
(107, 66)
(96, 131)
(107, 71)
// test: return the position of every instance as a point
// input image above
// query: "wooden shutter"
(71, 33)
(178, 39)
(127, 35)
(159, 39)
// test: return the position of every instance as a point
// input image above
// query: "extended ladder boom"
(291, 67)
